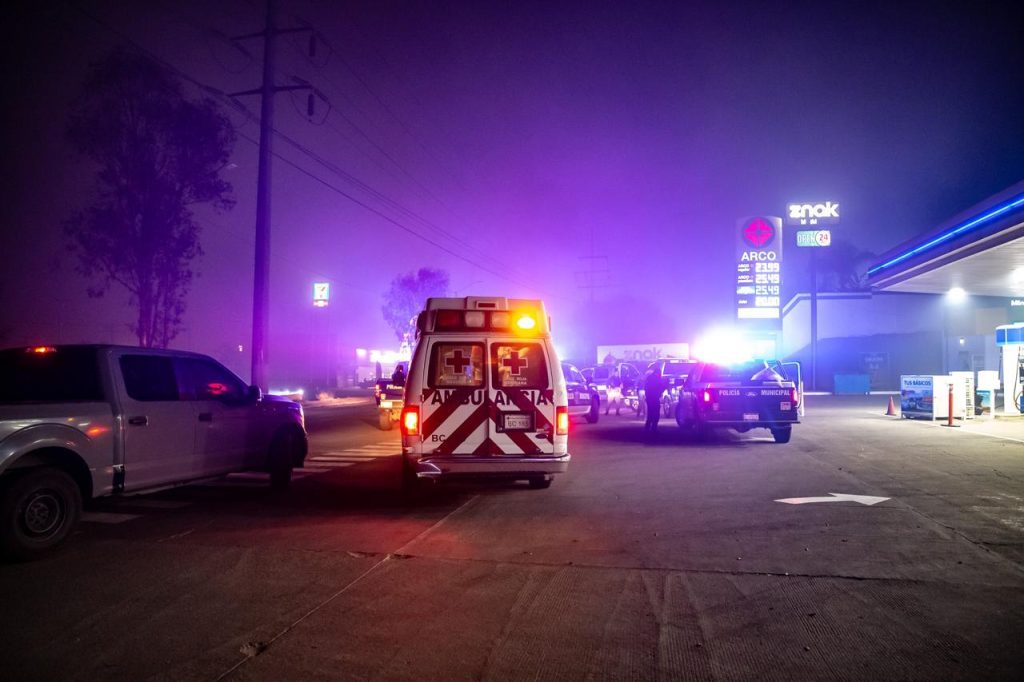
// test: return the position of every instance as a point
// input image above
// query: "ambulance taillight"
(499, 320)
(561, 420)
(411, 421)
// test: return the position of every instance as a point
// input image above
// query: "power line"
(388, 218)
(423, 188)
(408, 130)
(252, 117)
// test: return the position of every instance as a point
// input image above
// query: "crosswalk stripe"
(107, 517)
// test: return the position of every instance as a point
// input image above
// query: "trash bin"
(852, 384)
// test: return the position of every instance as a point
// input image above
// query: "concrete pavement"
(667, 559)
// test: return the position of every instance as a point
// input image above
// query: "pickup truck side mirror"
(254, 394)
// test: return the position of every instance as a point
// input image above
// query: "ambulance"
(485, 396)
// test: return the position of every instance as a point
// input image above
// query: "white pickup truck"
(78, 422)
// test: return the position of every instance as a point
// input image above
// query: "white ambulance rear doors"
(454, 396)
(487, 397)
(521, 395)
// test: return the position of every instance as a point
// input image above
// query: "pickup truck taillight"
(411, 421)
(794, 396)
(707, 396)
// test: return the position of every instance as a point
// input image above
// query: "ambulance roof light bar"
(474, 313)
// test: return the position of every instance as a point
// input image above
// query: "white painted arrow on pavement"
(836, 497)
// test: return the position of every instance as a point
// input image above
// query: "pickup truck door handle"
(206, 416)
(138, 421)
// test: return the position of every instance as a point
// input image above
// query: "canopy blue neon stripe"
(966, 227)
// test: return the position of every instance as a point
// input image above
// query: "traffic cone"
(891, 412)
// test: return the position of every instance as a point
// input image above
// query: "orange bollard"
(949, 420)
(891, 412)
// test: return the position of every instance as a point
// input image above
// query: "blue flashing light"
(969, 226)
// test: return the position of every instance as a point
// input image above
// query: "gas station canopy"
(980, 251)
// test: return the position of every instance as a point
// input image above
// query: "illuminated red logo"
(759, 232)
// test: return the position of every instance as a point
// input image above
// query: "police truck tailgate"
(750, 404)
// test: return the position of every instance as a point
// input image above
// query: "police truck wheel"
(37, 512)
(782, 434)
(666, 408)
(595, 411)
(680, 419)
(385, 420)
(282, 456)
(540, 482)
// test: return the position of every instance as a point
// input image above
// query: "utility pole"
(261, 269)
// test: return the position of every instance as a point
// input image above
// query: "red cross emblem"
(457, 362)
(515, 363)
(759, 232)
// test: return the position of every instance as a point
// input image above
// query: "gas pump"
(1010, 339)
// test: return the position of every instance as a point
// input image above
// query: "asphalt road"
(669, 559)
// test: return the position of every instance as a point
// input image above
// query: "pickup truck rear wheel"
(595, 411)
(282, 457)
(540, 482)
(782, 434)
(38, 510)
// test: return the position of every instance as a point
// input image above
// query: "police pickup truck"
(742, 397)
(78, 422)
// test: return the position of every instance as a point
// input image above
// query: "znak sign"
(813, 214)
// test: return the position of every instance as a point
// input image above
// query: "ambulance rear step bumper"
(439, 467)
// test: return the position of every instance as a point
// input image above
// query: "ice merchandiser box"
(926, 396)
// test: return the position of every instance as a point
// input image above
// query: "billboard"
(917, 396)
(643, 352)
(759, 268)
(321, 294)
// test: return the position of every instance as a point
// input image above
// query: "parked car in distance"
(600, 376)
(673, 373)
(583, 400)
(80, 422)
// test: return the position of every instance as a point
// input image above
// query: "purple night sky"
(534, 139)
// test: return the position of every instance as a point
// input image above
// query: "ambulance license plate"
(750, 416)
(517, 421)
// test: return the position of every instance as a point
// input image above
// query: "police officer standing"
(653, 388)
(398, 376)
(614, 392)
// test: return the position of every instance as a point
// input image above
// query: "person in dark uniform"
(398, 376)
(653, 388)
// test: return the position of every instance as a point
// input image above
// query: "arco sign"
(825, 213)
(758, 268)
